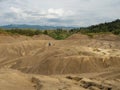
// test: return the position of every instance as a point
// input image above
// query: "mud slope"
(20, 38)
(62, 57)
(16, 80)
(108, 37)
(13, 38)
(80, 63)
(42, 37)
(105, 37)
(77, 37)
(69, 65)
(9, 52)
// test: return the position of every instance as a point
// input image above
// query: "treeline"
(111, 27)
(59, 34)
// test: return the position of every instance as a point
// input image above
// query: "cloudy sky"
(58, 12)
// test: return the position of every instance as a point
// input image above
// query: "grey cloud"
(9, 15)
(58, 20)
(1, 0)
(63, 12)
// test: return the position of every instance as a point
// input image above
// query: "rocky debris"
(94, 88)
(74, 78)
(37, 83)
(15, 80)
(90, 84)
(94, 85)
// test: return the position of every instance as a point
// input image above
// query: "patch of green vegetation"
(27, 32)
(59, 34)
(116, 32)
(91, 35)
(2, 31)
(112, 27)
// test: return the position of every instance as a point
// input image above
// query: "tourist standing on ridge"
(49, 44)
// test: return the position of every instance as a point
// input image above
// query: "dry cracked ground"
(77, 63)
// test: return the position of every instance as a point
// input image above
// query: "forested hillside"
(113, 27)
(59, 34)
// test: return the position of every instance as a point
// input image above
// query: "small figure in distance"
(49, 44)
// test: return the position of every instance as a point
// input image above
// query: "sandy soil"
(77, 63)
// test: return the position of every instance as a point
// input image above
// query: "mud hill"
(42, 37)
(5, 38)
(12, 38)
(77, 37)
(16, 80)
(107, 37)
(77, 63)
(62, 57)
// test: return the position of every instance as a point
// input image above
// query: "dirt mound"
(20, 38)
(77, 37)
(62, 57)
(66, 65)
(10, 51)
(42, 37)
(13, 38)
(89, 64)
(107, 37)
(14, 80)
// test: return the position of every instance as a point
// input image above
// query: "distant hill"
(109, 26)
(60, 33)
(113, 27)
(23, 26)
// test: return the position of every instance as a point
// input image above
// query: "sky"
(59, 12)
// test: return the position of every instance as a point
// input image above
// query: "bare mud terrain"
(77, 63)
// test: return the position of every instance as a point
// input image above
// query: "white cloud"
(49, 14)
(16, 10)
(20, 14)
(58, 12)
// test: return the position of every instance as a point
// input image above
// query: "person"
(49, 44)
